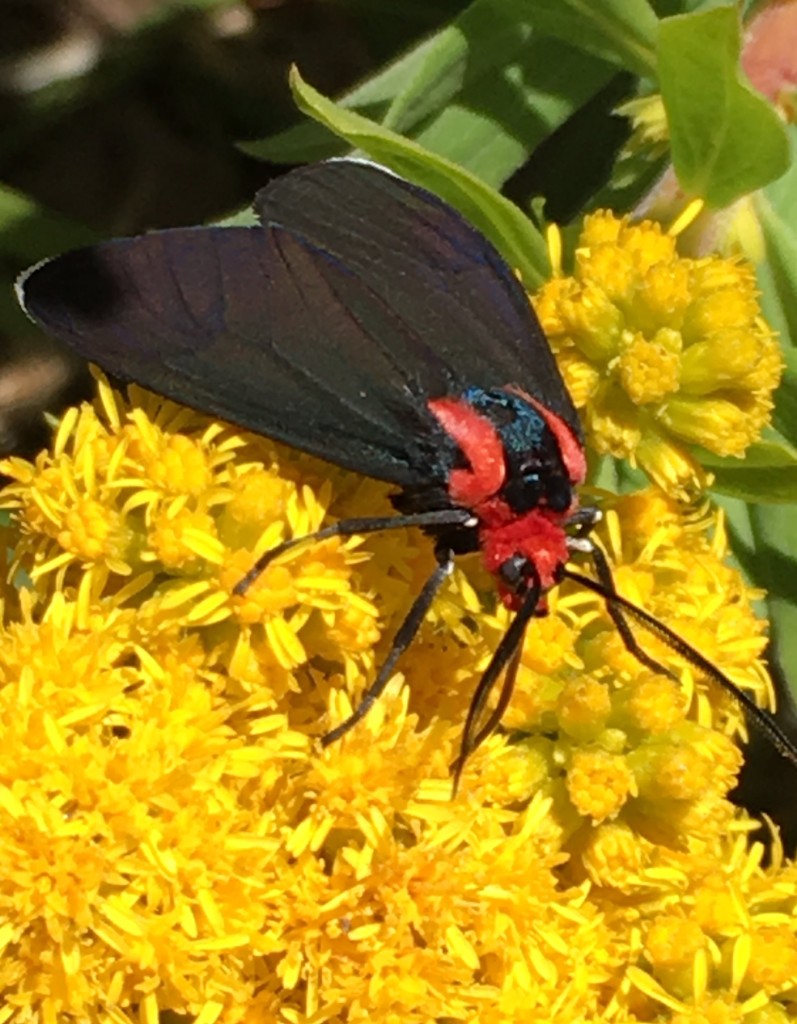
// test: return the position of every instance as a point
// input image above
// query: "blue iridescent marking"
(521, 427)
(535, 470)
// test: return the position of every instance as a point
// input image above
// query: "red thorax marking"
(481, 445)
(538, 534)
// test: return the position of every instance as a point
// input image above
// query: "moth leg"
(348, 527)
(401, 641)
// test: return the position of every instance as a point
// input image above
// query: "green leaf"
(775, 532)
(27, 234)
(484, 91)
(772, 486)
(477, 45)
(784, 417)
(510, 230)
(485, 38)
(726, 139)
(30, 233)
(501, 115)
(309, 141)
(620, 31)
(767, 474)
(476, 143)
(777, 214)
(764, 540)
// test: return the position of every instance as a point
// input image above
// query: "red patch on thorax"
(481, 445)
(538, 534)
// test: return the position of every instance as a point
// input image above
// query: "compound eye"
(523, 492)
(514, 572)
(559, 494)
(531, 489)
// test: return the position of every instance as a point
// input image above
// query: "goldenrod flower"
(174, 841)
(659, 351)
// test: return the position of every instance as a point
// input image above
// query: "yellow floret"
(661, 351)
(176, 843)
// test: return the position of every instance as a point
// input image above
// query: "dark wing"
(457, 300)
(307, 329)
(237, 322)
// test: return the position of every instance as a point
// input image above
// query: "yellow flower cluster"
(661, 351)
(175, 842)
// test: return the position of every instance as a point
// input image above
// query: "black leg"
(504, 697)
(401, 641)
(586, 519)
(348, 527)
(504, 653)
(604, 574)
(760, 718)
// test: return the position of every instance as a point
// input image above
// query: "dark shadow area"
(588, 142)
(768, 783)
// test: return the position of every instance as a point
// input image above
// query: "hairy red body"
(537, 534)
(481, 445)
